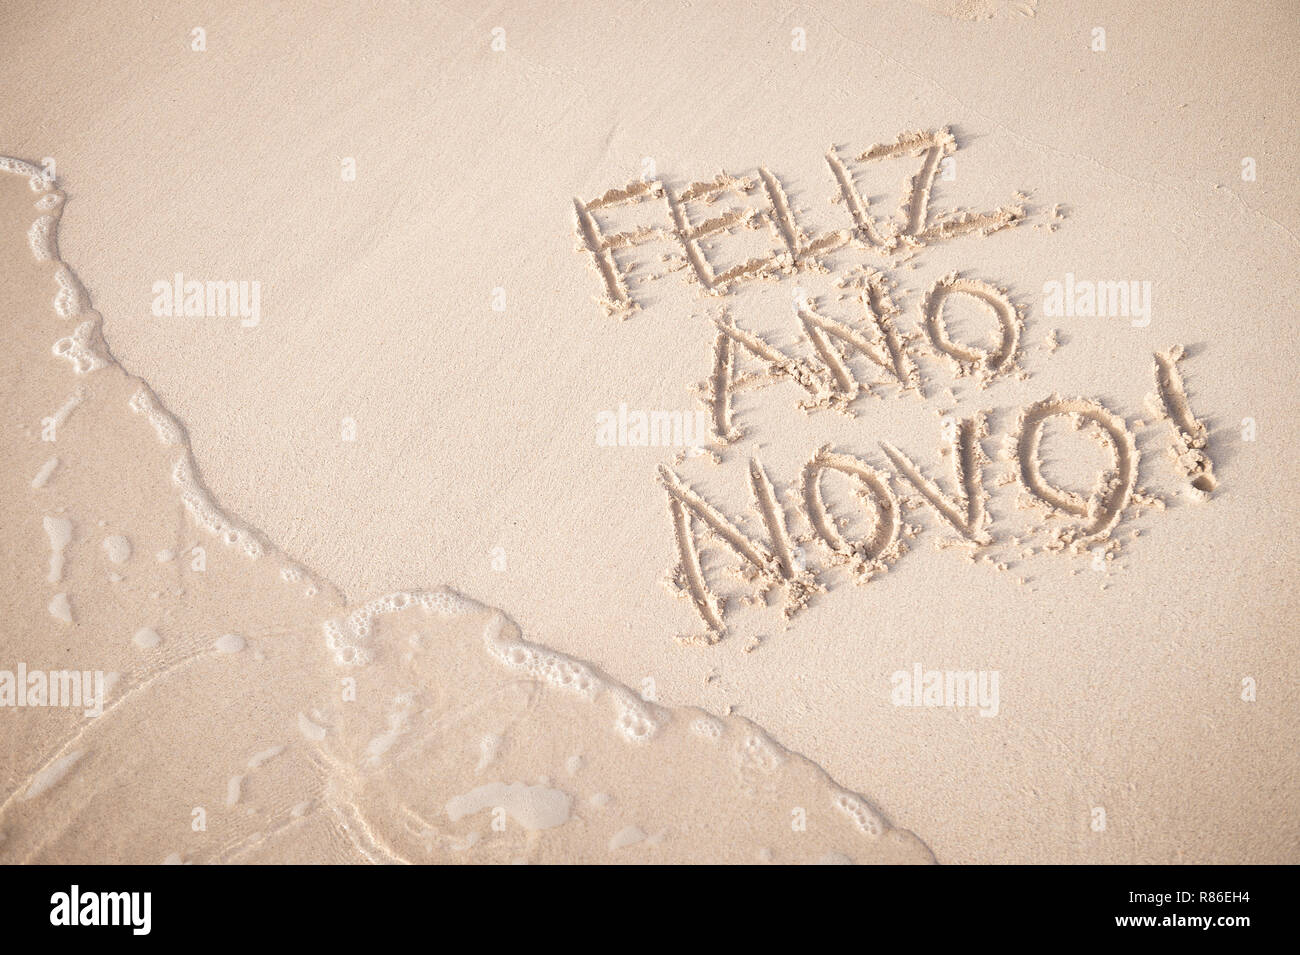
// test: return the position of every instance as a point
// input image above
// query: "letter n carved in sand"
(966, 511)
(768, 566)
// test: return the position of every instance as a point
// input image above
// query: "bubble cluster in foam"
(84, 348)
(36, 176)
(758, 752)
(51, 775)
(60, 609)
(533, 807)
(707, 727)
(860, 814)
(41, 238)
(168, 429)
(207, 514)
(347, 636)
(70, 300)
(635, 720)
(310, 729)
(59, 531)
(43, 475)
(541, 664)
(230, 643)
(117, 548)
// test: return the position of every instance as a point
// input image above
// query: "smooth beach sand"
(642, 430)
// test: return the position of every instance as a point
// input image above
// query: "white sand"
(385, 425)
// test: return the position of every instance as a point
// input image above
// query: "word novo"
(1091, 299)
(640, 429)
(1087, 521)
(103, 908)
(692, 223)
(947, 688)
(70, 688)
(191, 298)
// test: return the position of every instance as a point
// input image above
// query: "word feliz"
(692, 223)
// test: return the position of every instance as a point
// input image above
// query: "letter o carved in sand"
(874, 490)
(986, 363)
(1105, 505)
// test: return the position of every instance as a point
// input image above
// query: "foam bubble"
(533, 807)
(84, 348)
(41, 238)
(309, 729)
(37, 178)
(206, 513)
(167, 428)
(346, 636)
(627, 836)
(60, 609)
(257, 759)
(117, 548)
(51, 775)
(43, 475)
(859, 813)
(70, 300)
(230, 643)
(707, 727)
(59, 531)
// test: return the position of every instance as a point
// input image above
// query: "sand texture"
(729, 433)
